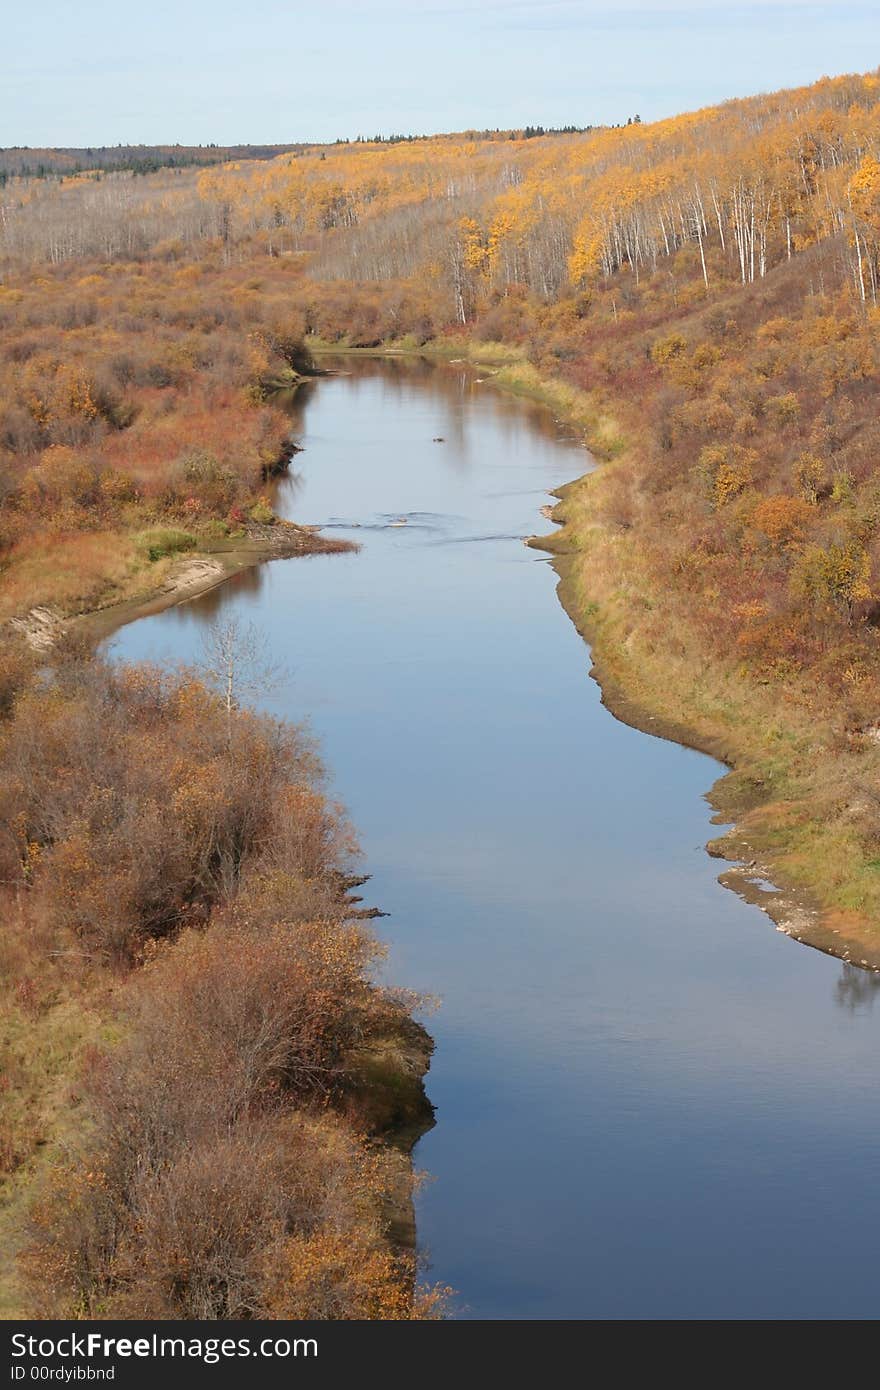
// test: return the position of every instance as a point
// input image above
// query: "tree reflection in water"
(856, 988)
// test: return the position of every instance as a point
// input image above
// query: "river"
(650, 1104)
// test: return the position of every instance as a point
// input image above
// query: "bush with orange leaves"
(781, 519)
(216, 1181)
(281, 1218)
(143, 811)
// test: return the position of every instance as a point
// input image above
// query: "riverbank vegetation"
(134, 425)
(189, 1017)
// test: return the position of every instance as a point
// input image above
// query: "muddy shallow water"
(650, 1104)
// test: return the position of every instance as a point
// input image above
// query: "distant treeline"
(24, 162)
(528, 132)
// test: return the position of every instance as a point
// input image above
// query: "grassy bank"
(784, 768)
(793, 778)
(794, 803)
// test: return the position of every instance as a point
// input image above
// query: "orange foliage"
(218, 1173)
(781, 519)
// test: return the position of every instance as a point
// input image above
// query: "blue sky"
(200, 70)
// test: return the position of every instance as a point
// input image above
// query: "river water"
(650, 1104)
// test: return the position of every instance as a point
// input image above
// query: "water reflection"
(856, 988)
(246, 584)
(649, 1103)
(295, 404)
(290, 484)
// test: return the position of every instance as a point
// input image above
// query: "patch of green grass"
(496, 354)
(262, 513)
(158, 541)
